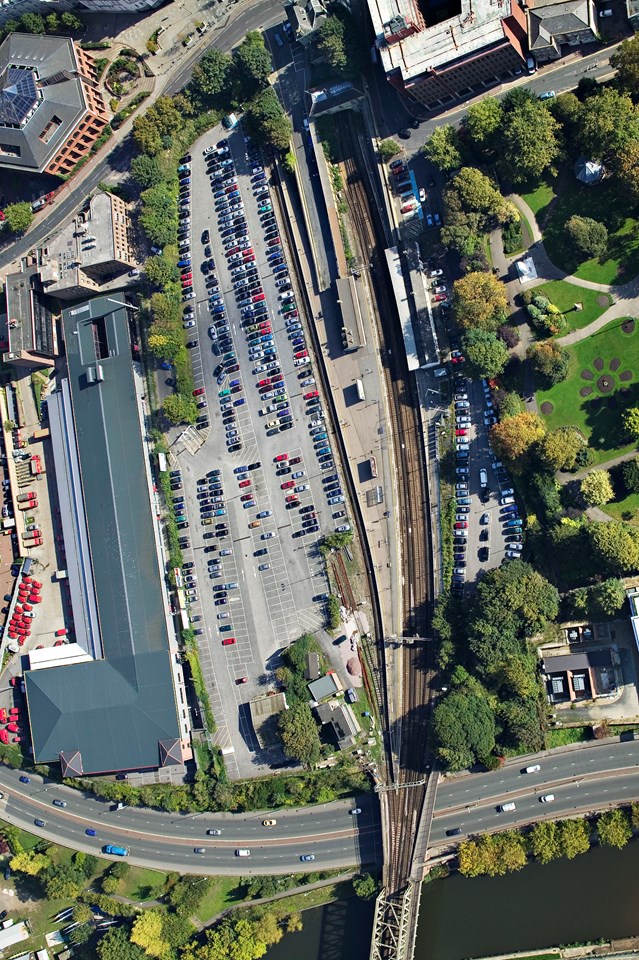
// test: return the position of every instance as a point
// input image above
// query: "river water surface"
(595, 895)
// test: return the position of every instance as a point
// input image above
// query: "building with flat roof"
(51, 111)
(265, 713)
(437, 52)
(326, 686)
(124, 706)
(31, 319)
(580, 676)
(93, 249)
(14, 933)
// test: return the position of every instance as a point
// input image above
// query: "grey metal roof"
(550, 20)
(120, 712)
(57, 97)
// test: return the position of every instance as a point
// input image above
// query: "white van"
(507, 807)
(483, 477)
(242, 853)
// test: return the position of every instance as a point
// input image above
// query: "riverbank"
(612, 949)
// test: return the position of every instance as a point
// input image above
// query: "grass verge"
(142, 884)
(565, 295)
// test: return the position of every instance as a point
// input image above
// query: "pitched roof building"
(552, 25)
(51, 111)
(123, 705)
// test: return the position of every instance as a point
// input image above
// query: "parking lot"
(487, 525)
(257, 475)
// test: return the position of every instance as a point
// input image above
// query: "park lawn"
(224, 893)
(625, 509)
(599, 422)
(565, 295)
(602, 202)
(142, 884)
(540, 199)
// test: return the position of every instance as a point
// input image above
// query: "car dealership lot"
(260, 403)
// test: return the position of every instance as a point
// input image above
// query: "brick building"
(51, 112)
(437, 54)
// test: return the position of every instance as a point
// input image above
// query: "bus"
(360, 390)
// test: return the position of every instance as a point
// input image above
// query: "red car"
(248, 252)
(249, 259)
(17, 739)
(228, 641)
(187, 276)
(280, 457)
(36, 583)
(34, 598)
(457, 357)
(274, 242)
(58, 643)
(300, 355)
(461, 525)
(461, 433)
(198, 392)
(246, 496)
(264, 383)
(13, 728)
(259, 297)
(232, 251)
(14, 681)
(292, 497)
(439, 297)
(288, 485)
(3, 715)
(242, 680)
(311, 394)
(245, 483)
(61, 633)
(4, 736)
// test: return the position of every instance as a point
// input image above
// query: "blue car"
(184, 263)
(25, 779)
(219, 309)
(90, 832)
(514, 523)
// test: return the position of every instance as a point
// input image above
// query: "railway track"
(404, 803)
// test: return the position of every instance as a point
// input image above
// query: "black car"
(206, 236)
(191, 344)
(454, 832)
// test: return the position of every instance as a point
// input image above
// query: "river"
(595, 895)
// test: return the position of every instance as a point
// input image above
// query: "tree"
(187, 894)
(625, 60)
(62, 883)
(550, 360)
(627, 169)
(478, 194)
(146, 170)
(32, 23)
(212, 73)
(153, 130)
(365, 886)
(179, 409)
(613, 828)
(18, 217)
(81, 933)
(147, 933)
(483, 121)
(176, 930)
(387, 149)
(596, 488)
(232, 939)
(158, 215)
(253, 61)
(462, 232)
(575, 837)
(30, 863)
(52, 23)
(486, 356)
(82, 913)
(480, 301)
(115, 945)
(616, 545)
(267, 121)
(515, 439)
(630, 421)
(444, 148)
(464, 729)
(566, 108)
(71, 22)
(607, 598)
(514, 599)
(508, 403)
(298, 731)
(631, 475)
(330, 43)
(160, 270)
(558, 449)
(607, 122)
(110, 884)
(589, 236)
(545, 844)
(529, 142)
(516, 675)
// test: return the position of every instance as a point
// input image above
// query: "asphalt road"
(581, 779)
(167, 841)
(260, 15)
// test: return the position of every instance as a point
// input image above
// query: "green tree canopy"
(550, 361)
(266, 120)
(161, 270)
(18, 216)
(613, 828)
(212, 73)
(631, 474)
(253, 63)
(596, 488)
(607, 123)
(330, 42)
(607, 598)
(588, 236)
(575, 837)
(630, 421)
(32, 23)
(516, 439)
(530, 142)
(559, 449)
(115, 945)
(146, 170)
(545, 841)
(483, 122)
(486, 356)
(299, 734)
(388, 149)
(516, 598)
(464, 729)
(627, 169)
(179, 409)
(478, 194)
(444, 148)
(365, 886)
(158, 215)
(625, 60)
(616, 544)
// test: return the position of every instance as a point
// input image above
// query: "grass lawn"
(539, 199)
(603, 203)
(142, 884)
(565, 295)
(224, 893)
(598, 415)
(563, 736)
(626, 509)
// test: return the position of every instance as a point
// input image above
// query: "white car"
(507, 492)
(490, 421)
(308, 382)
(442, 288)
(343, 528)
(533, 768)
(188, 324)
(436, 273)
(422, 195)
(504, 501)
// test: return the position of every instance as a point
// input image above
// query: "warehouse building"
(122, 704)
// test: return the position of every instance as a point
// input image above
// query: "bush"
(512, 237)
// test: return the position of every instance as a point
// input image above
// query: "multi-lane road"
(165, 840)
(582, 779)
